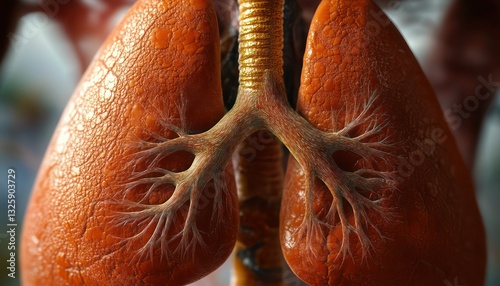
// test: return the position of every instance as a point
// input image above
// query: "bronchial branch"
(262, 104)
(362, 189)
(363, 186)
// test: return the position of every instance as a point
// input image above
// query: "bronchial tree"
(146, 180)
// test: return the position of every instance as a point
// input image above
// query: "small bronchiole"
(202, 183)
(350, 186)
(180, 209)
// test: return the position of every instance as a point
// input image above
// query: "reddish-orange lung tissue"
(157, 73)
(427, 229)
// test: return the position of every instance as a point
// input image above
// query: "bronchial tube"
(261, 41)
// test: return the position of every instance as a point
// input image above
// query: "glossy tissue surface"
(159, 68)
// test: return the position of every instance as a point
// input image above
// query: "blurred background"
(46, 45)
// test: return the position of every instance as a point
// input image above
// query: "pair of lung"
(161, 66)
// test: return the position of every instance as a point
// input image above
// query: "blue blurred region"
(36, 81)
(487, 176)
(37, 78)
